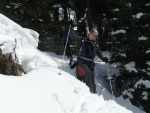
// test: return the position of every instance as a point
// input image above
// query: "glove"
(105, 60)
(74, 65)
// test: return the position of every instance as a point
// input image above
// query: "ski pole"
(65, 49)
(110, 81)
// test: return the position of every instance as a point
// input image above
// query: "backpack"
(79, 71)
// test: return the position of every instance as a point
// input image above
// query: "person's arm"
(74, 35)
(99, 54)
(98, 51)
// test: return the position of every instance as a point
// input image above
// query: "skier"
(86, 57)
(63, 36)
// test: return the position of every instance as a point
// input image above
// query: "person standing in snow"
(63, 36)
(87, 53)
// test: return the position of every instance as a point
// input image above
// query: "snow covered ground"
(42, 89)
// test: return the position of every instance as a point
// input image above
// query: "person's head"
(63, 28)
(93, 34)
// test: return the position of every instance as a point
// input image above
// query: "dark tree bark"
(65, 10)
(56, 14)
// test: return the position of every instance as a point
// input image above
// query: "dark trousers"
(68, 50)
(89, 77)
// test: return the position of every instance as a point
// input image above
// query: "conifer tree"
(129, 41)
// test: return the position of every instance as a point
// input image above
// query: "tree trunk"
(56, 14)
(65, 10)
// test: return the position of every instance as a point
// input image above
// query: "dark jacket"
(63, 36)
(87, 53)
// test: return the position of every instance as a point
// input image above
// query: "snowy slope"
(42, 89)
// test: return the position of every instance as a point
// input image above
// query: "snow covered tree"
(129, 42)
